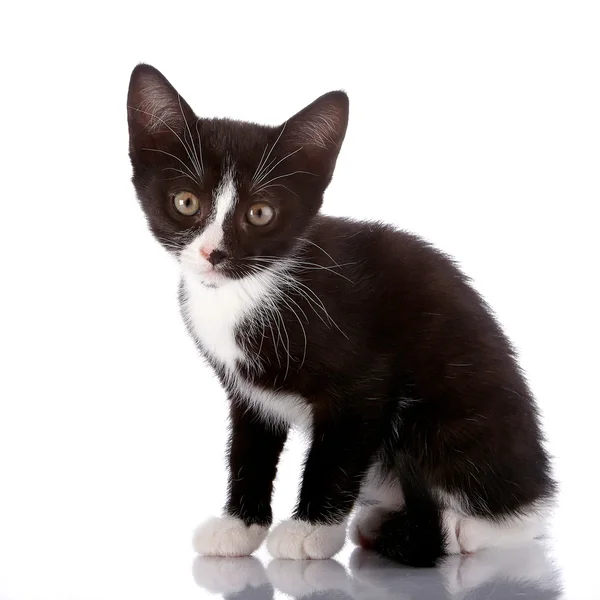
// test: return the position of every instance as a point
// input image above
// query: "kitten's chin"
(210, 279)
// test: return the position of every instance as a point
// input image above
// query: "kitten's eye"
(260, 214)
(186, 203)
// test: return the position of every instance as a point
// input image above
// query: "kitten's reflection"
(233, 578)
(311, 579)
(520, 572)
(494, 575)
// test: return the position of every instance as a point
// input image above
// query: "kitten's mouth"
(212, 278)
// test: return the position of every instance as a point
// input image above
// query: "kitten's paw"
(301, 540)
(228, 536)
(365, 526)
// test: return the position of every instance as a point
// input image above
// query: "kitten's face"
(228, 198)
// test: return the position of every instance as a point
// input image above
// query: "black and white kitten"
(368, 337)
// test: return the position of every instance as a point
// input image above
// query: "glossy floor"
(105, 509)
(129, 559)
(525, 572)
(99, 499)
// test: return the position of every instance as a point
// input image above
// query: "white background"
(474, 124)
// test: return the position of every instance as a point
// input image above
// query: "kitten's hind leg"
(466, 534)
(380, 495)
(413, 535)
(427, 528)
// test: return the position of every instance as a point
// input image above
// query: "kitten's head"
(228, 198)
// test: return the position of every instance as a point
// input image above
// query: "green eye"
(186, 203)
(260, 214)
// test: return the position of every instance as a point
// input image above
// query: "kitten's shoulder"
(371, 236)
(383, 253)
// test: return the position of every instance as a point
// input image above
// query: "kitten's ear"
(154, 107)
(319, 130)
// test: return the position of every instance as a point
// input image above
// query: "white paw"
(467, 535)
(228, 536)
(366, 524)
(301, 540)
(451, 524)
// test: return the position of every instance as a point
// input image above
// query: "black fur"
(413, 535)
(403, 361)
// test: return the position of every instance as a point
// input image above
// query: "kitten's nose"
(214, 257)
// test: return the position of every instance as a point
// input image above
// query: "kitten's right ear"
(154, 107)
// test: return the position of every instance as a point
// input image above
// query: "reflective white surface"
(135, 545)
(526, 572)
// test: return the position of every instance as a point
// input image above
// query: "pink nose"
(206, 252)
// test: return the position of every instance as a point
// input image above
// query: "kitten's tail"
(414, 535)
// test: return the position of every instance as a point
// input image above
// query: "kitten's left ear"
(318, 131)
(154, 107)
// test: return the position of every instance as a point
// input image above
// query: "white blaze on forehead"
(224, 199)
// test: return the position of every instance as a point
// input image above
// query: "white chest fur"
(214, 315)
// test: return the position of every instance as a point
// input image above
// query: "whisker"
(169, 128)
(275, 144)
(302, 326)
(289, 356)
(259, 164)
(291, 259)
(170, 244)
(281, 177)
(274, 343)
(200, 146)
(257, 182)
(176, 177)
(183, 174)
(312, 304)
(175, 157)
(275, 259)
(319, 247)
(308, 290)
(304, 265)
(274, 316)
(197, 163)
(265, 187)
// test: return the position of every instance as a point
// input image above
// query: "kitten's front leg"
(254, 450)
(338, 459)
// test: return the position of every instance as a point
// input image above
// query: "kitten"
(366, 336)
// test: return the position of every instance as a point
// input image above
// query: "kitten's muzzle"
(213, 256)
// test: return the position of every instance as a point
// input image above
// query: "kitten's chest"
(214, 328)
(214, 317)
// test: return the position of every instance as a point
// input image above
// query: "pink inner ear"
(320, 129)
(154, 105)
